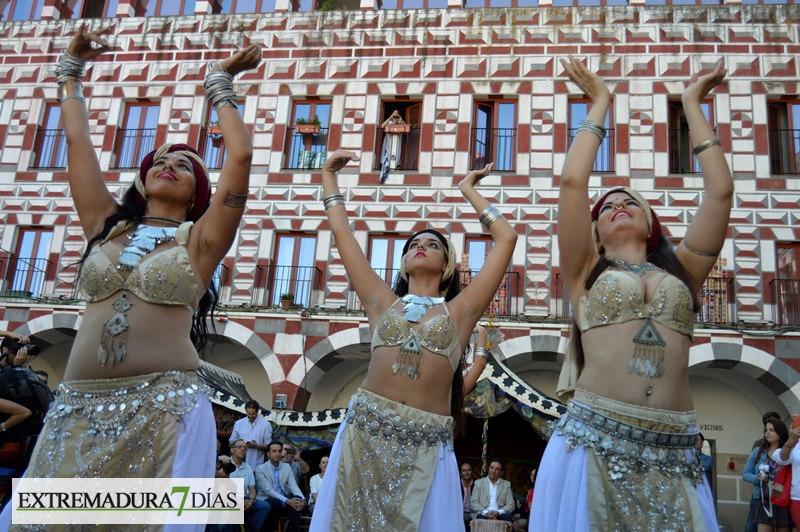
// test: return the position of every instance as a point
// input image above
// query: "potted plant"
(214, 133)
(397, 129)
(308, 127)
(287, 300)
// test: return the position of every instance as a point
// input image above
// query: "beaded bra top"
(437, 335)
(164, 278)
(617, 297)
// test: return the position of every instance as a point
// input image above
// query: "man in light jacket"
(491, 496)
(276, 485)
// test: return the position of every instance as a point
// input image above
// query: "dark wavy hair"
(453, 288)
(780, 429)
(662, 256)
(129, 210)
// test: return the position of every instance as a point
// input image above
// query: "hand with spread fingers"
(247, 58)
(589, 82)
(338, 160)
(81, 45)
(474, 176)
(699, 87)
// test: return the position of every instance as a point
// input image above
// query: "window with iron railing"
(494, 135)
(385, 254)
(293, 273)
(212, 145)
(786, 286)
(307, 141)
(137, 138)
(398, 149)
(28, 268)
(51, 143)
(681, 158)
(783, 123)
(578, 110)
(23, 10)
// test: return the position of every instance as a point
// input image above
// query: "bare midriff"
(158, 340)
(607, 351)
(429, 392)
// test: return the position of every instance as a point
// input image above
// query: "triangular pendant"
(412, 346)
(648, 335)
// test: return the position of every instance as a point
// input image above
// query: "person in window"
(392, 466)
(624, 454)
(143, 275)
(392, 148)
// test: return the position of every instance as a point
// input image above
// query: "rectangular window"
(385, 253)
(166, 8)
(414, 4)
(505, 3)
(307, 138)
(494, 135)
(783, 123)
(23, 10)
(257, 6)
(399, 151)
(578, 110)
(94, 8)
(212, 145)
(681, 159)
(27, 269)
(51, 143)
(137, 137)
(786, 285)
(294, 272)
(476, 249)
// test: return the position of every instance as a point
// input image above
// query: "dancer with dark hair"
(131, 404)
(624, 457)
(392, 466)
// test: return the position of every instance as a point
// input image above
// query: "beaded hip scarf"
(388, 457)
(641, 464)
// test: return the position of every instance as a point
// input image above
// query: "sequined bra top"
(438, 335)
(165, 278)
(616, 297)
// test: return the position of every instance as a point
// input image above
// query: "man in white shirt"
(256, 433)
(256, 509)
(491, 496)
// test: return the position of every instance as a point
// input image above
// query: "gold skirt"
(388, 457)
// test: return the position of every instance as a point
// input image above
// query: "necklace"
(142, 240)
(638, 269)
(416, 306)
(163, 219)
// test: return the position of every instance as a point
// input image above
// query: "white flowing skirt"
(560, 501)
(443, 511)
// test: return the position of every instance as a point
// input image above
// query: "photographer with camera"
(761, 470)
(17, 350)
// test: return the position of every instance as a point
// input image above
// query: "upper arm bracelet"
(237, 201)
(714, 255)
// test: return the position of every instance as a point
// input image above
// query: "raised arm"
(215, 230)
(93, 202)
(706, 233)
(478, 360)
(373, 291)
(575, 245)
(471, 303)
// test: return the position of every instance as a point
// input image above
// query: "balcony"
(273, 281)
(784, 150)
(212, 146)
(30, 277)
(306, 151)
(494, 145)
(604, 162)
(131, 145)
(786, 301)
(409, 149)
(51, 149)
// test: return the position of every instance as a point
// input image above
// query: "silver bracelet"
(219, 87)
(489, 215)
(703, 146)
(592, 127)
(482, 352)
(70, 68)
(332, 201)
(698, 252)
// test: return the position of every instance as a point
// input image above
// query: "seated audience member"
(277, 485)
(467, 484)
(316, 482)
(300, 468)
(256, 509)
(491, 496)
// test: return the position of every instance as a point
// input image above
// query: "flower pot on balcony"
(216, 140)
(397, 129)
(306, 129)
(287, 303)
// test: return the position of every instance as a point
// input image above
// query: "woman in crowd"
(522, 514)
(761, 470)
(789, 453)
(131, 404)
(392, 465)
(624, 457)
(315, 483)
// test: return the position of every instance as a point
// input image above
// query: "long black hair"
(451, 287)
(130, 210)
(662, 256)
(780, 429)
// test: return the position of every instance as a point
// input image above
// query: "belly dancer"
(392, 466)
(131, 404)
(623, 457)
